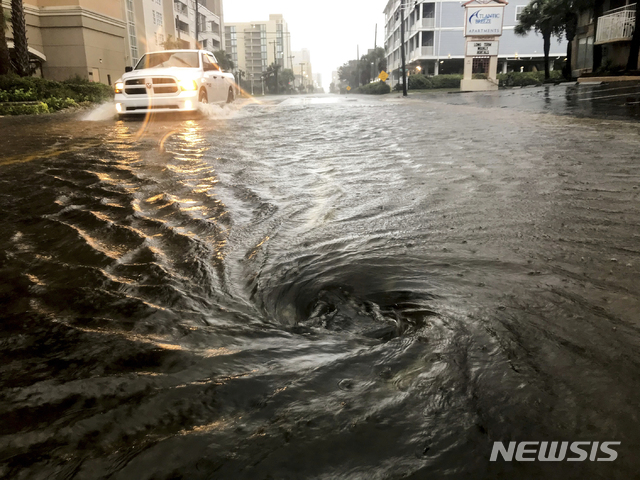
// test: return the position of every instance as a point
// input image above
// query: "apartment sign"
(484, 20)
(480, 49)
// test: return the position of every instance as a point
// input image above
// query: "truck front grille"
(159, 85)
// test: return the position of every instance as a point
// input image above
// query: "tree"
(286, 77)
(5, 58)
(20, 44)
(372, 64)
(545, 17)
(571, 28)
(270, 76)
(348, 73)
(224, 60)
(172, 43)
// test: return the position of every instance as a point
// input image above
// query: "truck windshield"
(169, 59)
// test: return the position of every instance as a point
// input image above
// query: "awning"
(32, 51)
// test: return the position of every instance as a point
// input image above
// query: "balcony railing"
(616, 25)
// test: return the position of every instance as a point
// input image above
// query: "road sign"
(348, 89)
(383, 76)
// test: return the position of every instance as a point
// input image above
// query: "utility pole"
(291, 57)
(375, 47)
(302, 73)
(197, 25)
(275, 63)
(358, 66)
(404, 58)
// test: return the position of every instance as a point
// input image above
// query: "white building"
(253, 46)
(302, 68)
(151, 23)
(434, 38)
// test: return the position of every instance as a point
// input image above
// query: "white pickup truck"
(173, 81)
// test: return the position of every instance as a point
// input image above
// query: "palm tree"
(224, 60)
(21, 48)
(5, 58)
(546, 18)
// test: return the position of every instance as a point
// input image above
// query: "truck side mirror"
(128, 69)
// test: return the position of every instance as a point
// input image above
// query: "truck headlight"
(119, 87)
(188, 85)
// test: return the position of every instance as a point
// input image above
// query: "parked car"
(173, 81)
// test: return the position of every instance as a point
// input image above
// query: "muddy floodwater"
(319, 287)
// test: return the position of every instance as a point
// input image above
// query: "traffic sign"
(383, 76)
(348, 89)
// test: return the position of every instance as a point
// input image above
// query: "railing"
(427, 51)
(428, 22)
(616, 25)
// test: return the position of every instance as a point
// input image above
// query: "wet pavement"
(322, 287)
(616, 100)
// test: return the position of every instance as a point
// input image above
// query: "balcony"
(428, 22)
(616, 25)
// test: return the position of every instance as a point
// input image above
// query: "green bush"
(23, 89)
(56, 104)
(522, 79)
(375, 88)
(446, 81)
(419, 82)
(24, 109)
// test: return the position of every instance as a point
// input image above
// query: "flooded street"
(319, 287)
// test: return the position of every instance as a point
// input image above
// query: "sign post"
(483, 21)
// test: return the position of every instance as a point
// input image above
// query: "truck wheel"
(203, 97)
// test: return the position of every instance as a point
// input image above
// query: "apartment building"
(75, 37)
(611, 35)
(253, 46)
(152, 24)
(301, 66)
(434, 39)
(96, 39)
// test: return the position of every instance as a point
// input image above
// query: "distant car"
(173, 81)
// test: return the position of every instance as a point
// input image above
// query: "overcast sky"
(331, 29)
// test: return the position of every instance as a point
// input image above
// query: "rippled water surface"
(318, 287)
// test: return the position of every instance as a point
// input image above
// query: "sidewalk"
(619, 100)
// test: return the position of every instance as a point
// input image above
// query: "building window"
(427, 39)
(428, 10)
(159, 38)
(157, 18)
(584, 55)
(133, 39)
(519, 9)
